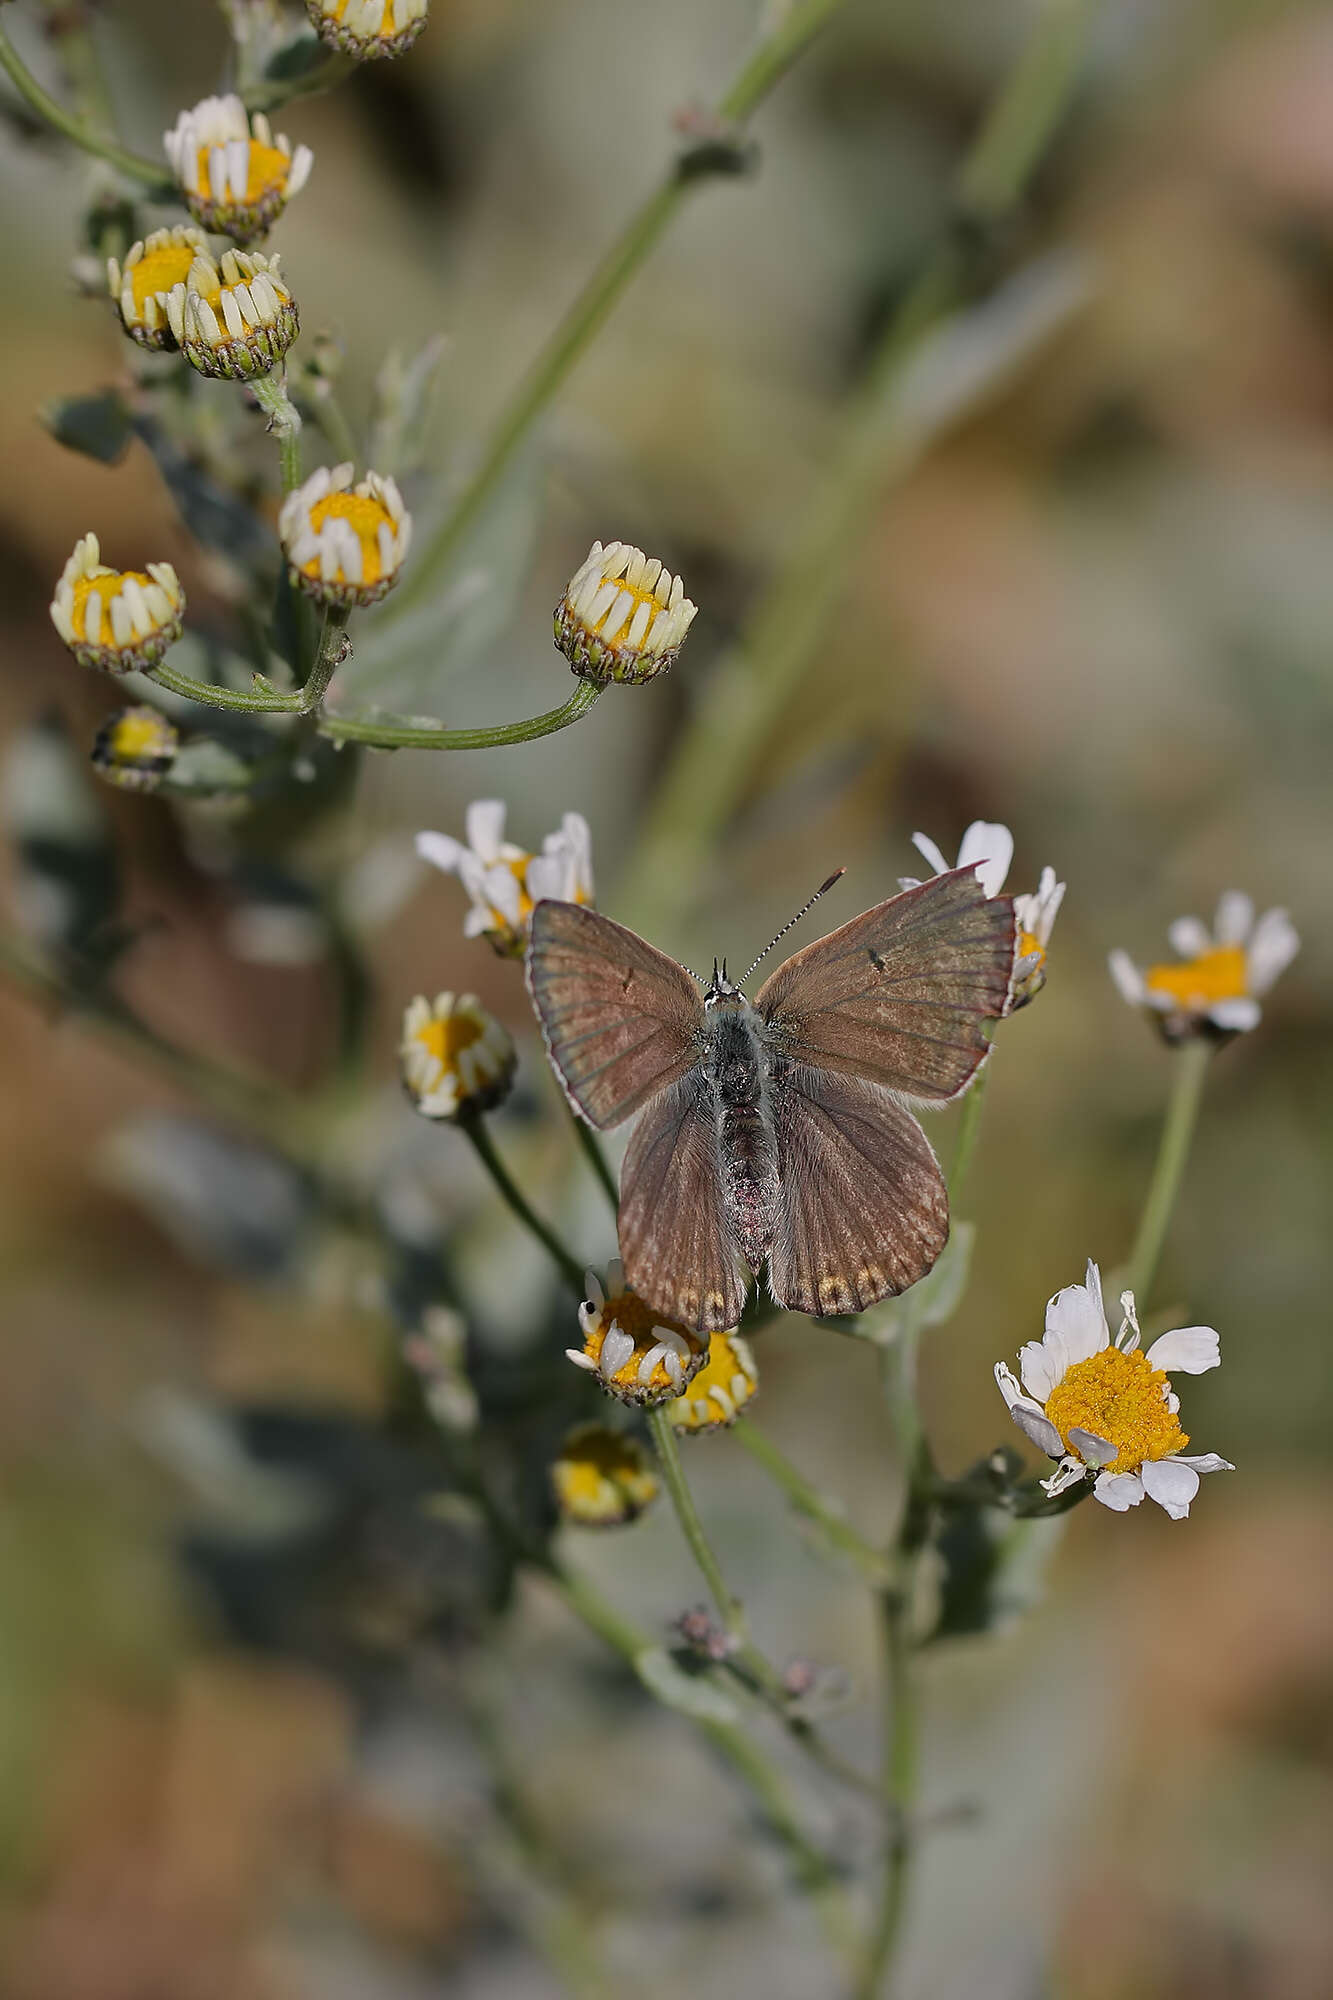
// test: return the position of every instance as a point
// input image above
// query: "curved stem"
(392, 734)
(673, 1472)
(151, 174)
(810, 1502)
(769, 62)
(590, 1147)
(256, 701)
(473, 1125)
(1182, 1111)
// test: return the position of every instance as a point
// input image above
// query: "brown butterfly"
(777, 1131)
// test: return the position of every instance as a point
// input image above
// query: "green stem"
(810, 1502)
(748, 689)
(327, 656)
(969, 1125)
(673, 1472)
(899, 1784)
(284, 420)
(473, 1125)
(392, 734)
(1182, 1111)
(149, 173)
(259, 700)
(591, 1148)
(769, 62)
(270, 93)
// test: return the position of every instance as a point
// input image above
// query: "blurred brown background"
(1101, 610)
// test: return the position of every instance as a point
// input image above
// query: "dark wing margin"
(864, 1208)
(621, 1019)
(674, 1242)
(900, 996)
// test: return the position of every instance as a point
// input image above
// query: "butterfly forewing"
(673, 1233)
(864, 1211)
(622, 1021)
(899, 996)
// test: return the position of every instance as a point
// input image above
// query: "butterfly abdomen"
(737, 1074)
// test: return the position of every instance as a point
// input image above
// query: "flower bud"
(135, 748)
(235, 176)
(367, 29)
(233, 319)
(121, 621)
(602, 1478)
(455, 1056)
(345, 545)
(623, 617)
(149, 275)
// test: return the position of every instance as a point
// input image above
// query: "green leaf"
(693, 1694)
(98, 426)
(990, 1569)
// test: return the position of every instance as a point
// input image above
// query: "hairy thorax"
(740, 1075)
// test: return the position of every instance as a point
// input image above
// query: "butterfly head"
(720, 991)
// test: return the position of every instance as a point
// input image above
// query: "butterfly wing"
(621, 1020)
(674, 1241)
(864, 1211)
(899, 995)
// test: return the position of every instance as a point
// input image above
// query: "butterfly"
(777, 1131)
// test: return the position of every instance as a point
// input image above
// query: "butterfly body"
(777, 1131)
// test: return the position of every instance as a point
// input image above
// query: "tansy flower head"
(368, 28)
(635, 1354)
(1215, 987)
(151, 272)
(505, 882)
(623, 617)
(122, 621)
(1105, 1409)
(455, 1056)
(345, 544)
(136, 747)
(235, 318)
(235, 175)
(721, 1389)
(602, 1478)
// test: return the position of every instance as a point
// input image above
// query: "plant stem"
(473, 1125)
(591, 1148)
(395, 734)
(810, 1502)
(253, 701)
(270, 93)
(151, 174)
(673, 1472)
(1191, 1070)
(584, 319)
(284, 420)
(969, 1125)
(750, 686)
(899, 1783)
(327, 656)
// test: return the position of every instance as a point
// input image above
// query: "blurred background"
(243, 1751)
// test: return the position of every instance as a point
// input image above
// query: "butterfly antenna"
(822, 890)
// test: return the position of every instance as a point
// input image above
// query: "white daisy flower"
(986, 846)
(503, 881)
(989, 848)
(455, 1056)
(1221, 973)
(1104, 1408)
(623, 617)
(635, 1354)
(235, 173)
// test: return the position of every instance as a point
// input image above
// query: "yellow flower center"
(137, 736)
(600, 1474)
(159, 270)
(365, 515)
(1030, 946)
(632, 1315)
(641, 597)
(268, 169)
(386, 26)
(1215, 975)
(446, 1038)
(106, 587)
(1120, 1398)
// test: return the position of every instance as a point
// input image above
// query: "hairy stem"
(327, 657)
(473, 1125)
(1182, 1111)
(391, 733)
(284, 420)
(150, 174)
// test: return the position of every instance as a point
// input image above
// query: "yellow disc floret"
(345, 544)
(1221, 974)
(601, 1478)
(721, 1389)
(1121, 1398)
(455, 1056)
(636, 1355)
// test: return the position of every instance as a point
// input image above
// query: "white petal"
(989, 848)
(1272, 947)
(547, 877)
(1037, 1367)
(929, 853)
(1171, 1484)
(617, 1349)
(1236, 1016)
(441, 850)
(1190, 937)
(1037, 1427)
(1068, 1473)
(1190, 1350)
(1076, 1324)
(1204, 1461)
(1092, 1449)
(1118, 1490)
(502, 893)
(485, 823)
(1235, 917)
(1127, 977)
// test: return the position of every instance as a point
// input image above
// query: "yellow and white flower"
(235, 318)
(345, 544)
(1215, 987)
(235, 175)
(151, 272)
(455, 1056)
(988, 847)
(719, 1392)
(135, 748)
(602, 1478)
(623, 617)
(635, 1354)
(505, 882)
(1105, 1408)
(368, 28)
(120, 621)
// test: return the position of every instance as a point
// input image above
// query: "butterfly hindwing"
(900, 995)
(622, 1021)
(864, 1211)
(674, 1240)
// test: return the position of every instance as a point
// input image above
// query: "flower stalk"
(473, 1124)
(1191, 1060)
(150, 174)
(284, 420)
